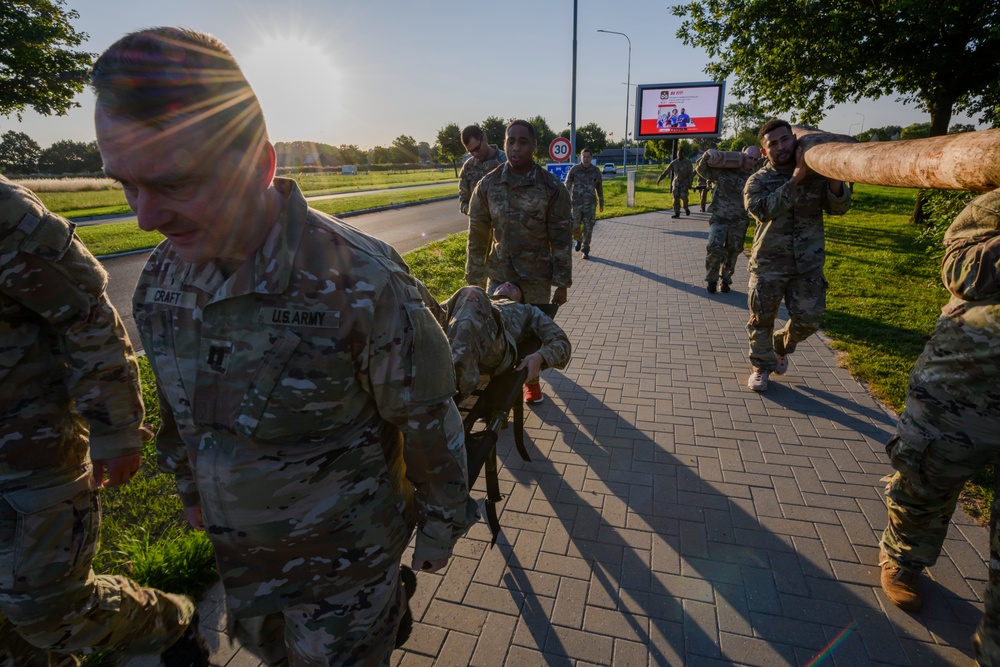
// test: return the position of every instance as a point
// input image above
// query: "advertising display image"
(690, 110)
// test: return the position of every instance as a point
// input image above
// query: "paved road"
(405, 229)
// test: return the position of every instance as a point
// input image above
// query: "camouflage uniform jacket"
(472, 172)
(681, 173)
(64, 353)
(789, 239)
(727, 203)
(520, 228)
(284, 390)
(582, 183)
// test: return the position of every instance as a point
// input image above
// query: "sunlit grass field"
(88, 197)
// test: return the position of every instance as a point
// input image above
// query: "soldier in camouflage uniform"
(681, 174)
(950, 428)
(520, 230)
(582, 181)
(485, 158)
(786, 261)
(728, 225)
(296, 362)
(704, 188)
(484, 333)
(71, 414)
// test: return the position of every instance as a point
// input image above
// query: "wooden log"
(967, 161)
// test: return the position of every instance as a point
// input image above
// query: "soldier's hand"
(119, 469)
(533, 362)
(560, 296)
(193, 516)
(801, 170)
(601, 208)
(429, 565)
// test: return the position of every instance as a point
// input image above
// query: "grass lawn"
(87, 203)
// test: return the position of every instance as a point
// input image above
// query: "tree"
(450, 148)
(915, 131)
(884, 133)
(743, 117)
(940, 55)
(404, 149)
(380, 155)
(589, 136)
(38, 66)
(659, 150)
(70, 157)
(18, 153)
(959, 128)
(495, 129)
(350, 154)
(424, 151)
(543, 135)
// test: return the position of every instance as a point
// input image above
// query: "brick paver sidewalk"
(671, 516)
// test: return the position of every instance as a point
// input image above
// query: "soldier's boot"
(687, 211)
(712, 286)
(578, 244)
(586, 253)
(533, 392)
(188, 651)
(758, 380)
(676, 215)
(901, 586)
(782, 365)
(725, 287)
(408, 580)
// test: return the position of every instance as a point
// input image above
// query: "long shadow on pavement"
(699, 572)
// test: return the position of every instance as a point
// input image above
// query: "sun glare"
(299, 85)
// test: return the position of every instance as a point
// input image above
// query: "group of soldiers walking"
(949, 429)
(307, 382)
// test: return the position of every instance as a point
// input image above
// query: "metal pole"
(628, 97)
(572, 116)
(858, 113)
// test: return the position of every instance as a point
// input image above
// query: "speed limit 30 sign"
(560, 149)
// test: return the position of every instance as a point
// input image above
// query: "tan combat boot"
(901, 586)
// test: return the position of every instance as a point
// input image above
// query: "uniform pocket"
(55, 536)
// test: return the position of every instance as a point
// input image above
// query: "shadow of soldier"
(688, 567)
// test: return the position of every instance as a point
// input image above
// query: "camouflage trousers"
(476, 338)
(50, 594)
(949, 431)
(584, 218)
(357, 627)
(725, 244)
(804, 295)
(703, 196)
(680, 195)
(532, 291)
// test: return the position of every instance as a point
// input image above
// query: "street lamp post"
(628, 96)
(858, 113)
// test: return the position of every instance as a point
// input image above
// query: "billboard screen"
(669, 110)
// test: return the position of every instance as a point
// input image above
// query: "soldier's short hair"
(471, 132)
(586, 149)
(771, 126)
(158, 75)
(524, 124)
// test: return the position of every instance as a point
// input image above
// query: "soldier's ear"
(267, 165)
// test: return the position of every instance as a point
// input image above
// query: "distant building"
(614, 156)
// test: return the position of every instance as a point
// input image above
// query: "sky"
(364, 72)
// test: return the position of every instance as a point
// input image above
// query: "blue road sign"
(560, 169)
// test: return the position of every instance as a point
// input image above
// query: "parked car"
(610, 168)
